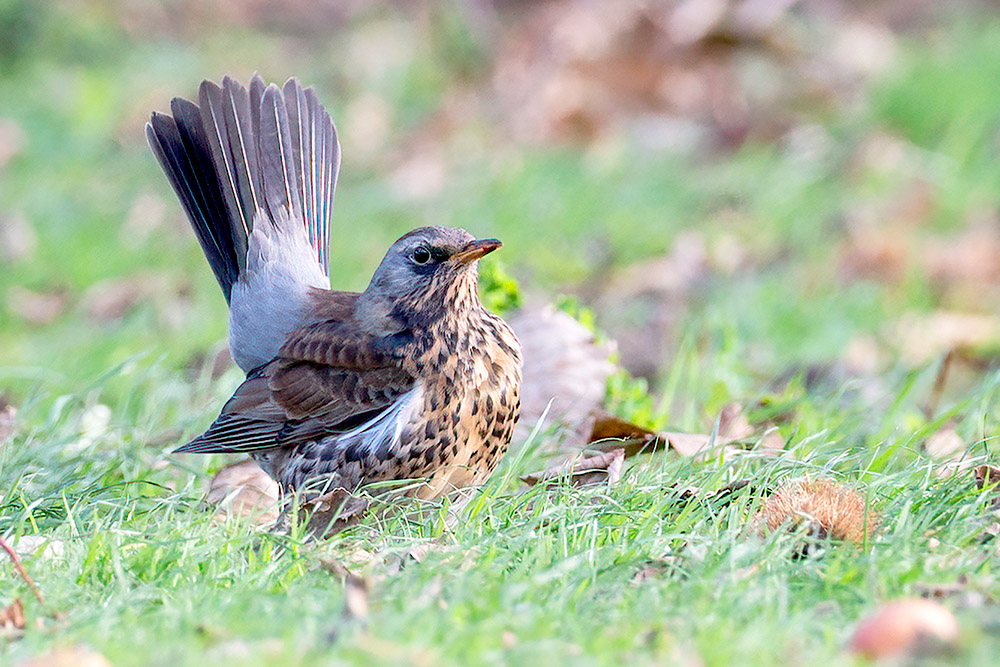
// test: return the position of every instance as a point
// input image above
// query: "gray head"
(424, 271)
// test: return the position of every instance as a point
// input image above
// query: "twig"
(19, 566)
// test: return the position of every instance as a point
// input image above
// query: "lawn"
(831, 269)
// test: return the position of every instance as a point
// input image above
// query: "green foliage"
(498, 290)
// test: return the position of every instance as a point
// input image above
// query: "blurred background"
(740, 190)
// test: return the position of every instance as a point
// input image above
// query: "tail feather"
(242, 151)
(186, 159)
(278, 166)
(326, 165)
(299, 124)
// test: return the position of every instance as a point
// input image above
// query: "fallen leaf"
(110, 300)
(244, 490)
(690, 444)
(733, 423)
(921, 338)
(771, 440)
(609, 432)
(335, 511)
(988, 476)
(825, 508)
(77, 656)
(12, 616)
(909, 626)
(649, 570)
(603, 468)
(945, 443)
(564, 374)
(36, 308)
(608, 426)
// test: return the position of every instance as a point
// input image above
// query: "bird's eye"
(421, 255)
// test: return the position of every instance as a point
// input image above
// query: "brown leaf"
(772, 440)
(111, 300)
(733, 423)
(565, 371)
(604, 468)
(607, 425)
(689, 444)
(76, 656)
(649, 570)
(824, 507)
(609, 432)
(945, 443)
(924, 337)
(335, 511)
(988, 476)
(36, 308)
(243, 489)
(12, 616)
(907, 626)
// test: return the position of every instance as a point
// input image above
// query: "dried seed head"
(828, 508)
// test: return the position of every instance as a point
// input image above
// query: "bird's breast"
(470, 403)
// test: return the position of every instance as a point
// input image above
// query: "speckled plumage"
(412, 379)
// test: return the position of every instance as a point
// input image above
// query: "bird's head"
(428, 271)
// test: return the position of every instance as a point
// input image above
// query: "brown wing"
(328, 379)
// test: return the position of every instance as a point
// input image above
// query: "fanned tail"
(240, 155)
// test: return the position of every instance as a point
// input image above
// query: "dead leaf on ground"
(988, 476)
(825, 508)
(922, 337)
(911, 626)
(335, 511)
(110, 300)
(565, 371)
(945, 443)
(609, 432)
(244, 490)
(12, 617)
(603, 468)
(76, 656)
(34, 307)
(653, 569)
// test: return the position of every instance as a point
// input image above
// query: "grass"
(144, 575)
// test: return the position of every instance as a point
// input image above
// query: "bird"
(411, 379)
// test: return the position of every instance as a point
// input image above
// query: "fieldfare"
(411, 379)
